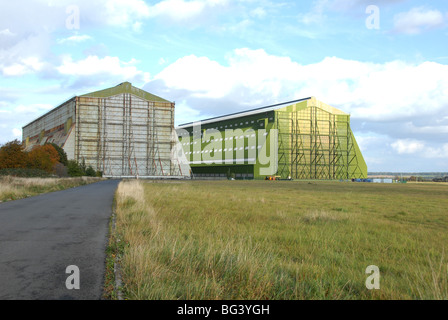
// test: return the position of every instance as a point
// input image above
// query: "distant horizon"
(431, 174)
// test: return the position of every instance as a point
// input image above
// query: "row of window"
(221, 150)
(221, 139)
(227, 126)
(237, 175)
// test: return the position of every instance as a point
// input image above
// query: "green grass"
(14, 188)
(281, 240)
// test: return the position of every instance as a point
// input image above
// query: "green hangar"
(301, 139)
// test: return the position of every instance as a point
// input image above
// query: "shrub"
(60, 170)
(12, 155)
(43, 158)
(62, 155)
(25, 173)
(74, 169)
(90, 172)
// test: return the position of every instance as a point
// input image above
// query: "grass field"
(281, 240)
(13, 188)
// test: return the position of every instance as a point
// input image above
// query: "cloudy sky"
(385, 62)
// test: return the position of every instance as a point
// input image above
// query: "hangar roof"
(244, 113)
(125, 87)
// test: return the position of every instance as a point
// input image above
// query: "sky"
(383, 62)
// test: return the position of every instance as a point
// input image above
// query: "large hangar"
(122, 131)
(301, 139)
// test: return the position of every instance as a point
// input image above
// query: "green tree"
(90, 172)
(74, 169)
(62, 155)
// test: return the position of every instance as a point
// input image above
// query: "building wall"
(229, 146)
(52, 127)
(316, 142)
(312, 140)
(117, 131)
(125, 135)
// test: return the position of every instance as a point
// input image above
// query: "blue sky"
(384, 62)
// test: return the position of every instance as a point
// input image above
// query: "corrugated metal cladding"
(117, 131)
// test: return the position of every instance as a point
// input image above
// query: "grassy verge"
(281, 240)
(13, 188)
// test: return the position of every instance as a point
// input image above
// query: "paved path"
(40, 236)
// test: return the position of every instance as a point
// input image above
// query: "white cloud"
(417, 20)
(125, 12)
(419, 148)
(181, 10)
(316, 15)
(17, 133)
(441, 152)
(6, 32)
(407, 146)
(258, 12)
(93, 66)
(376, 92)
(22, 67)
(75, 39)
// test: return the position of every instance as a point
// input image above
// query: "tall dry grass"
(13, 188)
(288, 240)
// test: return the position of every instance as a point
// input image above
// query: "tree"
(90, 172)
(43, 157)
(74, 169)
(12, 155)
(62, 154)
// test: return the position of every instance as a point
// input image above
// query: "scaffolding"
(122, 131)
(316, 144)
(124, 135)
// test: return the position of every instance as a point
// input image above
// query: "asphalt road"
(41, 236)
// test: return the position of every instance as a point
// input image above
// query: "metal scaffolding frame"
(125, 135)
(315, 144)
